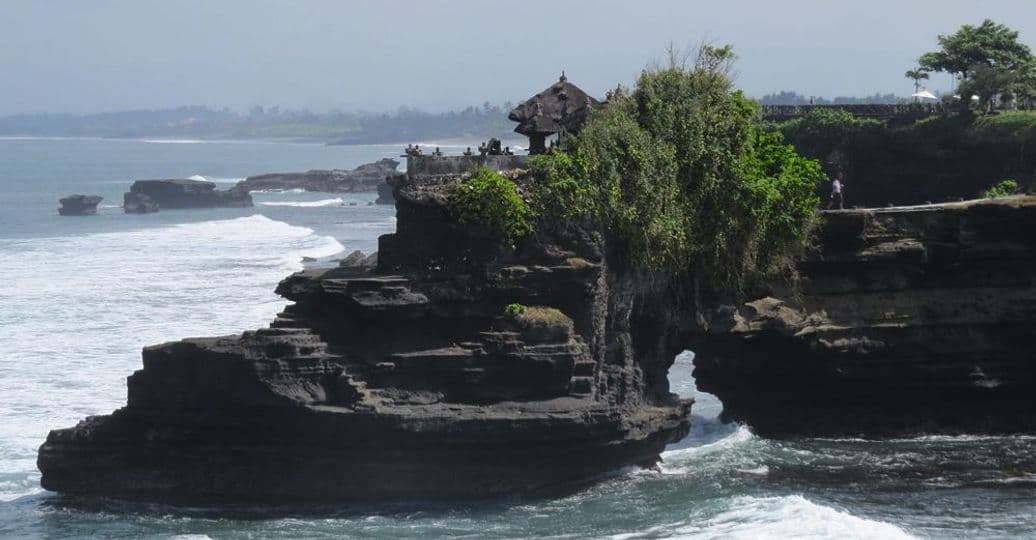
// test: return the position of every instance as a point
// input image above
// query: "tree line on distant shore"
(401, 125)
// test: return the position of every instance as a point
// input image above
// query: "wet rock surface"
(399, 377)
(906, 320)
(79, 205)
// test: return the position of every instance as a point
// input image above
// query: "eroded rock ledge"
(146, 196)
(907, 320)
(404, 381)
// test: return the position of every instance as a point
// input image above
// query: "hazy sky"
(102, 55)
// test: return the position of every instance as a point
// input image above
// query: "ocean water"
(79, 297)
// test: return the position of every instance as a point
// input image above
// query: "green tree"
(917, 75)
(684, 181)
(988, 59)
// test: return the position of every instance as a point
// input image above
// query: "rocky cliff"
(905, 320)
(150, 195)
(369, 177)
(410, 380)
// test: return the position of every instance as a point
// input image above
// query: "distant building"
(559, 110)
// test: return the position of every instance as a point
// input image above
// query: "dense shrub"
(1001, 189)
(1013, 133)
(940, 157)
(492, 201)
(825, 134)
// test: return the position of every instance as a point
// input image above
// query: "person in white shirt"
(836, 192)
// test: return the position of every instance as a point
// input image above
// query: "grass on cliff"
(539, 322)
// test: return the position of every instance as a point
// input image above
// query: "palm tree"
(918, 75)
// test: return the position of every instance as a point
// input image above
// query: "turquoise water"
(81, 296)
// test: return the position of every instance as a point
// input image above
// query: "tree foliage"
(917, 75)
(683, 179)
(988, 59)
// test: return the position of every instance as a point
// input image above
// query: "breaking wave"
(337, 201)
(792, 516)
(78, 309)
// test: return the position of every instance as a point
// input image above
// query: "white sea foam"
(215, 180)
(293, 190)
(174, 141)
(722, 454)
(78, 309)
(774, 517)
(737, 438)
(761, 470)
(337, 201)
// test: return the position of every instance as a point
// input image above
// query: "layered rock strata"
(79, 205)
(905, 320)
(408, 380)
(369, 177)
(150, 195)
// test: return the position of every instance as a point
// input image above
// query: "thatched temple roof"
(561, 107)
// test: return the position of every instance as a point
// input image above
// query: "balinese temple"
(558, 110)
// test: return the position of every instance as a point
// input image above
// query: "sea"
(80, 297)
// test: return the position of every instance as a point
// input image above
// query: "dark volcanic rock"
(79, 205)
(369, 177)
(138, 203)
(908, 320)
(185, 193)
(386, 193)
(404, 381)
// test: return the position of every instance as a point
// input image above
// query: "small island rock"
(79, 205)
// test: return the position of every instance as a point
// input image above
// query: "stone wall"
(452, 165)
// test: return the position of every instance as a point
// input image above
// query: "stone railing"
(445, 165)
(913, 110)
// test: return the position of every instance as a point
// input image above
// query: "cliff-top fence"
(449, 165)
(912, 111)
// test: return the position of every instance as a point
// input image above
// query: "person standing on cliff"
(836, 192)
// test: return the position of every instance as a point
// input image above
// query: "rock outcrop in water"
(907, 320)
(369, 177)
(79, 205)
(181, 193)
(409, 380)
(138, 203)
